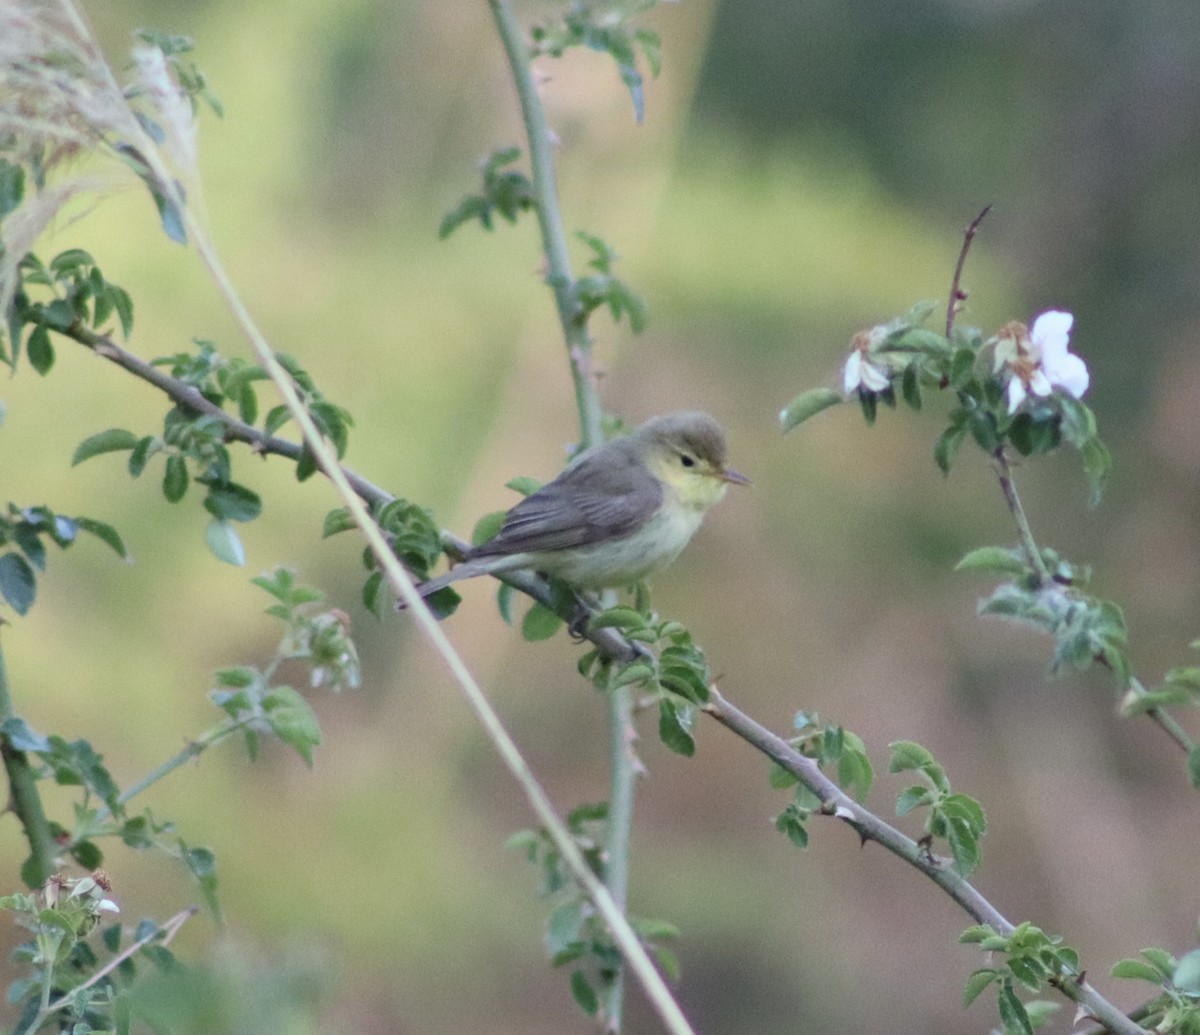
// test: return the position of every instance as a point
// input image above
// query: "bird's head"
(686, 451)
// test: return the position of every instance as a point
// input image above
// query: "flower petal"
(1016, 393)
(1070, 373)
(1052, 330)
(874, 377)
(852, 375)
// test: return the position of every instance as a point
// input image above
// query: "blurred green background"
(806, 169)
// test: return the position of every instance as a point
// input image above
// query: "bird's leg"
(581, 613)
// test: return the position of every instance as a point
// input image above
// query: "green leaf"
(22, 737)
(912, 798)
(906, 755)
(1012, 1013)
(1097, 465)
(111, 441)
(618, 618)
(12, 187)
(792, 822)
(175, 481)
(583, 993)
(223, 541)
(994, 559)
(232, 502)
(1137, 970)
(105, 533)
(169, 213)
(807, 404)
(675, 727)
(540, 623)
(946, 447)
(1193, 763)
(637, 672)
(977, 982)
(524, 484)
(292, 720)
(39, 349)
(487, 527)
(17, 582)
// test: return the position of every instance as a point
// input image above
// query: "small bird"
(618, 512)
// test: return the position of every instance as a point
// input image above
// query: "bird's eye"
(686, 460)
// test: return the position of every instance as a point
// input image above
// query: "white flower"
(863, 371)
(1039, 359)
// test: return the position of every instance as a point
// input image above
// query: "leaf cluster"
(193, 441)
(606, 26)
(670, 667)
(416, 540)
(916, 361)
(63, 295)
(101, 812)
(956, 819)
(834, 749)
(1033, 960)
(505, 193)
(24, 534)
(1086, 629)
(576, 935)
(1176, 1007)
(72, 983)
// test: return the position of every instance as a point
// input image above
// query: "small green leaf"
(232, 502)
(807, 404)
(540, 623)
(977, 982)
(637, 672)
(17, 582)
(170, 214)
(1137, 970)
(583, 993)
(105, 533)
(487, 527)
(175, 481)
(912, 798)
(39, 349)
(994, 559)
(110, 441)
(1193, 761)
(946, 447)
(223, 541)
(524, 484)
(22, 737)
(792, 822)
(1012, 1013)
(1097, 465)
(675, 727)
(372, 595)
(336, 521)
(292, 720)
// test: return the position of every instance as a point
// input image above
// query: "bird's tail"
(466, 570)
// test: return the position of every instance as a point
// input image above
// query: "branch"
(614, 646)
(870, 827)
(24, 799)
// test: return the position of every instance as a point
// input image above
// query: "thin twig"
(957, 295)
(162, 934)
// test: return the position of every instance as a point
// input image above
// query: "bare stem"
(957, 295)
(623, 764)
(554, 239)
(1033, 556)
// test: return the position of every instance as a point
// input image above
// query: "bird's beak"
(728, 474)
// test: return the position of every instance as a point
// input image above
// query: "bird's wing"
(590, 502)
